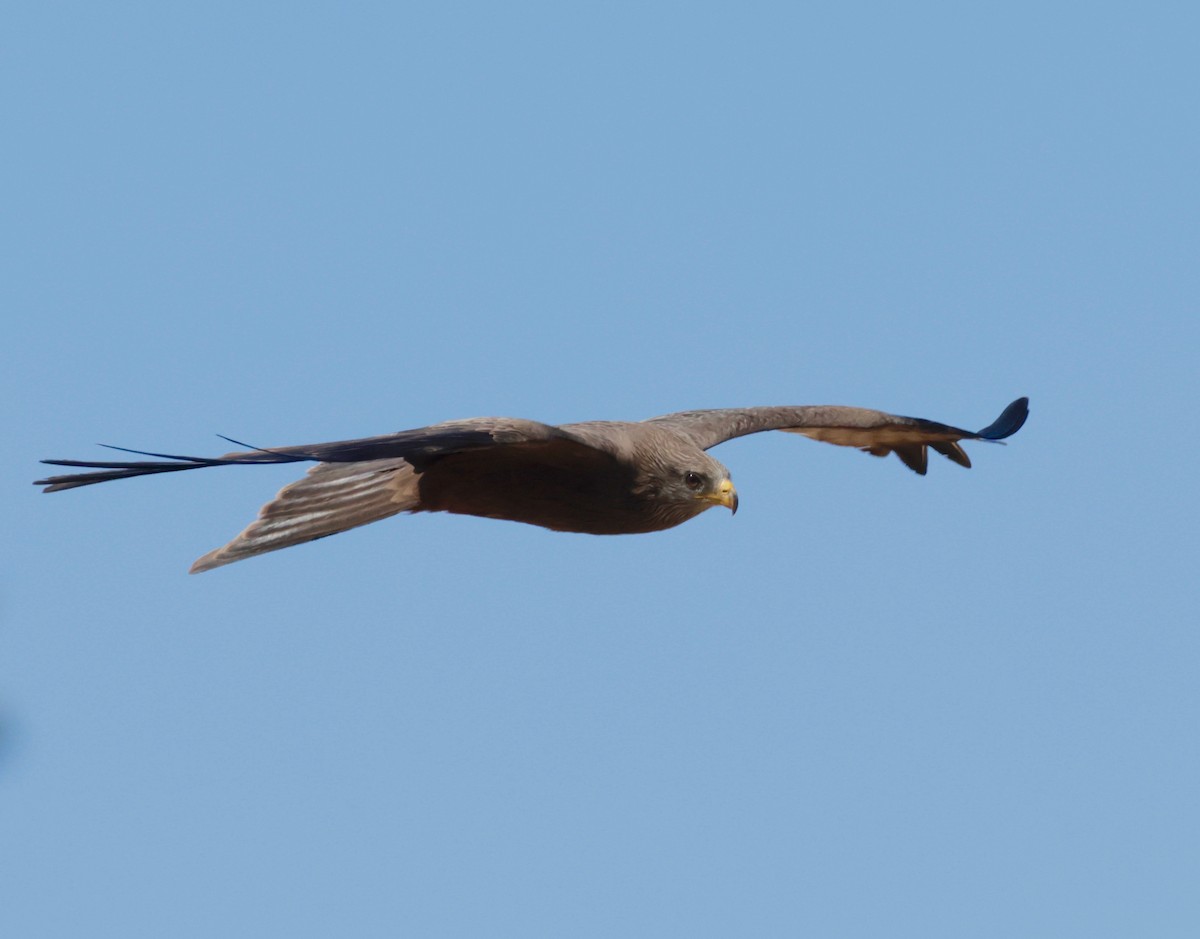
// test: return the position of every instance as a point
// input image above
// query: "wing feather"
(331, 498)
(418, 447)
(875, 432)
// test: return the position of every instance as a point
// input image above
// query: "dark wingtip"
(162, 463)
(1008, 423)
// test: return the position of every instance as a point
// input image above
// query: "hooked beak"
(724, 495)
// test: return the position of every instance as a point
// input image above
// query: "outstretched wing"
(418, 447)
(354, 482)
(874, 432)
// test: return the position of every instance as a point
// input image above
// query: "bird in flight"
(597, 477)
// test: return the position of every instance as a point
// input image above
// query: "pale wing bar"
(331, 498)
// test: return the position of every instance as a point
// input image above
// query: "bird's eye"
(693, 481)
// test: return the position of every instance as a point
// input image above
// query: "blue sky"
(871, 705)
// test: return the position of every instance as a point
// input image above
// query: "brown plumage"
(599, 477)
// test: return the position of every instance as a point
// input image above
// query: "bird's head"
(683, 481)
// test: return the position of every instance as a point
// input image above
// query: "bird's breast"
(595, 497)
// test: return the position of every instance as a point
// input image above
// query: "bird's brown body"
(555, 491)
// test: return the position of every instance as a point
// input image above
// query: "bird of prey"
(597, 477)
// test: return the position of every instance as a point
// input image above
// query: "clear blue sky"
(871, 705)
